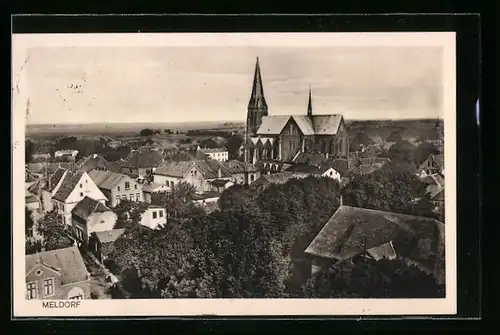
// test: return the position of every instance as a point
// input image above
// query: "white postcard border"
(226, 307)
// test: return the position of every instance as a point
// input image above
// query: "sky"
(85, 84)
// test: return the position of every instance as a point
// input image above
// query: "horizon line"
(224, 121)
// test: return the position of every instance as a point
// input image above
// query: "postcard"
(260, 174)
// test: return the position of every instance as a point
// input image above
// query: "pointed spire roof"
(257, 98)
(309, 105)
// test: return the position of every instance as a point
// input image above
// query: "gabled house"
(57, 274)
(90, 216)
(117, 186)
(354, 232)
(141, 163)
(93, 162)
(242, 173)
(433, 164)
(149, 188)
(65, 189)
(199, 173)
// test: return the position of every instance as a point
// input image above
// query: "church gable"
(291, 128)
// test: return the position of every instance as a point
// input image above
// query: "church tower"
(257, 106)
(309, 105)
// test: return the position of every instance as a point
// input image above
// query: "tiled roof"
(145, 159)
(210, 150)
(107, 179)
(90, 163)
(326, 124)
(304, 123)
(438, 194)
(312, 158)
(439, 159)
(236, 166)
(29, 178)
(351, 230)
(340, 165)
(88, 206)
(220, 182)
(68, 262)
(109, 236)
(272, 124)
(68, 184)
(56, 178)
(154, 187)
(31, 199)
(206, 195)
(174, 169)
(210, 167)
(283, 177)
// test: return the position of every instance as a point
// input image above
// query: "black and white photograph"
(231, 174)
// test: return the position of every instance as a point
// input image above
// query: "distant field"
(409, 129)
(128, 130)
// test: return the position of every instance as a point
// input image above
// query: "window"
(81, 194)
(135, 186)
(154, 215)
(81, 185)
(131, 197)
(124, 197)
(31, 287)
(252, 177)
(48, 287)
(118, 188)
(117, 199)
(195, 172)
(127, 185)
(161, 213)
(167, 183)
(137, 196)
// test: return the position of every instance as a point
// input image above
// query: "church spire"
(257, 99)
(309, 105)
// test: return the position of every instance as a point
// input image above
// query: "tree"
(392, 188)
(233, 146)
(402, 151)
(53, 232)
(146, 132)
(394, 136)
(366, 278)
(129, 213)
(237, 196)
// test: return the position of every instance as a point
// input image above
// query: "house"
(40, 156)
(142, 163)
(242, 173)
(278, 178)
(282, 137)
(57, 274)
(117, 186)
(92, 162)
(154, 217)
(101, 242)
(271, 166)
(66, 153)
(354, 232)
(321, 171)
(220, 185)
(90, 216)
(219, 154)
(149, 188)
(65, 189)
(32, 202)
(433, 164)
(199, 173)
(41, 170)
(206, 197)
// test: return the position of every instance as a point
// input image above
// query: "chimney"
(219, 173)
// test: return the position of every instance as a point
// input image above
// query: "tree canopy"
(129, 213)
(53, 232)
(366, 278)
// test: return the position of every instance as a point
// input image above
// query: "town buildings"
(65, 189)
(433, 164)
(117, 186)
(219, 154)
(90, 216)
(154, 217)
(243, 173)
(282, 137)
(57, 274)
(66, 153)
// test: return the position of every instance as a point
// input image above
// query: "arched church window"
(322, 146)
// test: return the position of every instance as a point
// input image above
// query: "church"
(282, 137)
